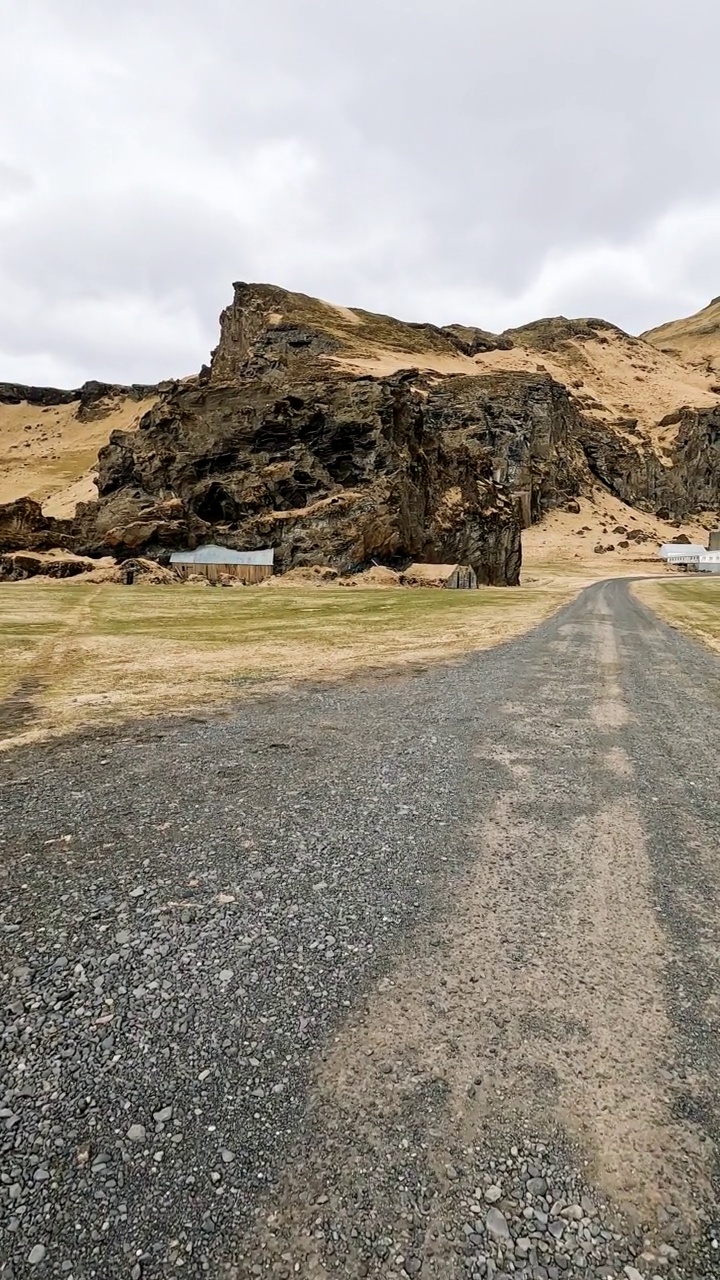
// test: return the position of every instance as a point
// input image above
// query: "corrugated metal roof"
(682, 549)
(212, 554)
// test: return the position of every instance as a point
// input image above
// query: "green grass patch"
(693, 604)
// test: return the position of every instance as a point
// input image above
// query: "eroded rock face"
(296, 436)
(24, 527)
(528, 426)
(686, 483)
(330, 469)
(280, 442)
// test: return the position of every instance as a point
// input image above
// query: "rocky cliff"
(284, 442)
(343, 438)
(326, 467)
(682, 480)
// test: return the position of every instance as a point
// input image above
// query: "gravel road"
(414, 976)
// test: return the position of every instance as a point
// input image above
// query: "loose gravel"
(190, 910)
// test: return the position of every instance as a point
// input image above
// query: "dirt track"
(383, 950)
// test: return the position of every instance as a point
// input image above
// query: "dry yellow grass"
(73, 655)
(689, 603)
(613, 379)
(49, 454)
(694, 339)
(557, 541)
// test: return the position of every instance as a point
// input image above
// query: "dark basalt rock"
(688, 483)
(330, 469)
(280, 442)
(88, 394)
(287, 440)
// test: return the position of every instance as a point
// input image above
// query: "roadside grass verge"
(93, 653)
(691, 604)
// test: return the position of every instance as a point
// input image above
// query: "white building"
(683, 553)
(709, 562)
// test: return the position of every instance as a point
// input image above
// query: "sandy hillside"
(633, 385)
(564, 541)
(612, 376)
(620, 380)
(49, 453)
(695, 340)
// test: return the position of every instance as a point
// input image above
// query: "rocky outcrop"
(297, 436)
(327, 467)
(24, 527)
(528, 426)
(88, 394)
(686, 481)
(16, 566)
(280, 443)
(694, 482)
(266, 328)
(555, 331)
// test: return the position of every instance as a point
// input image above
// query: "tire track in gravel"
(537, 1006)
(397, 956)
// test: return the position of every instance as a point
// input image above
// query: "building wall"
(248, 573)
(463, 579)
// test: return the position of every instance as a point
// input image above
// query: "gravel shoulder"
(409, 976)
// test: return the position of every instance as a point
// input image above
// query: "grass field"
(76, 654)
(691, 603)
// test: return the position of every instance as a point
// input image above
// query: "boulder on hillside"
(15, 566)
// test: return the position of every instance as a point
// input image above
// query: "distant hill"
(50, 439)
(694, 340)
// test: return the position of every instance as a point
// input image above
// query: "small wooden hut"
(453, 577)
(213, 562)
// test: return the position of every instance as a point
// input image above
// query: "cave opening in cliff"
(216, 505)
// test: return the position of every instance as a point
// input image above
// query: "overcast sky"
(483, 161)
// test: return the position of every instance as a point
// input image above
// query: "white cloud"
(665, 272)
(457, 161)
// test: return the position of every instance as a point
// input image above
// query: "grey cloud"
(14, 181)
(455, 160)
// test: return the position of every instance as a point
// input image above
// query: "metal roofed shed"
(685, 554)
(215, 563)
(453, 577)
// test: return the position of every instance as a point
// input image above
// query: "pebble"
(105, 1038)
(37, 1255)
(496, 1224)
(493, 1194)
